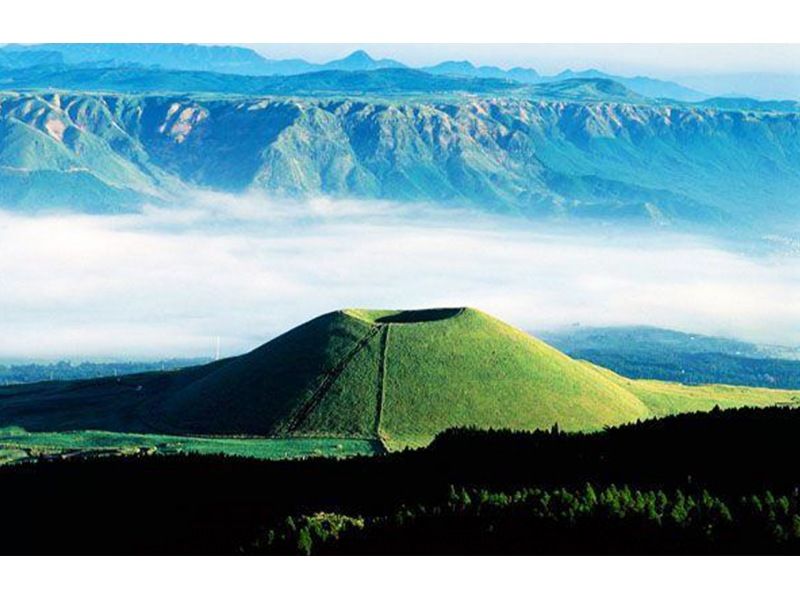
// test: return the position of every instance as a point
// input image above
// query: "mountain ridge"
(245, 61)
(542, 157)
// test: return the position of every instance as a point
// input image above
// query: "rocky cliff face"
(603, 159)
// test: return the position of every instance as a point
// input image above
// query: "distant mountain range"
(244, 61)
(233, 60)
(138, 79)
(238, 60)
(104, 127)
(655, 353)
(27, 373)
(643, 340)
(759, 85)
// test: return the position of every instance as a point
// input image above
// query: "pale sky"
(624, 59)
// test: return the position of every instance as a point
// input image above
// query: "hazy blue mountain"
(360, 61)
(183, 57)
(21, 60)
(639, 339)
(615, 160)
(27, 373)
(383, 81)
(775, 86)
(137, 79)
(656, 353)
(645, 86)
(588, 90)
(750, 104)
(659, 88)
(233, 60)
(464, 68)
(378, 81)
(244, 61)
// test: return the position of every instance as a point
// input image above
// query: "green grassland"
(668, 398)
(16, 445)
(356, 379)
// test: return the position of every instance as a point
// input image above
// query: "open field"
(670, 398)
(18, 445)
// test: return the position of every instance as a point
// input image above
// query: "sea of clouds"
(168, 281)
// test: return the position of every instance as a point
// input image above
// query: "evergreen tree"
(590, 496)
(304, 542)
(796, 527)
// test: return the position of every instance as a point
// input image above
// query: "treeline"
(697, 368)
(609, 520)
(65, 370)
(726, 450)
(474, 481)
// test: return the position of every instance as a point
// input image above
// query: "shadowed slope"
(273, 389)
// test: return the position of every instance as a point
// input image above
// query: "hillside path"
(381, 379)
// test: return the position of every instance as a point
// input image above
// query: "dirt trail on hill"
(381, 380)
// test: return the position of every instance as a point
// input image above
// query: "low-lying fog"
(167, 282)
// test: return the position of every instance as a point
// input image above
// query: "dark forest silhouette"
(718, 482)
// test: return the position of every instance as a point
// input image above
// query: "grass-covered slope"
(473, 370)
(273, 390)
(398, 377)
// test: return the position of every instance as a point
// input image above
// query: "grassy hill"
(397, 377)
(477, 371)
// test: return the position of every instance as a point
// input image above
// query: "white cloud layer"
(168, 281)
